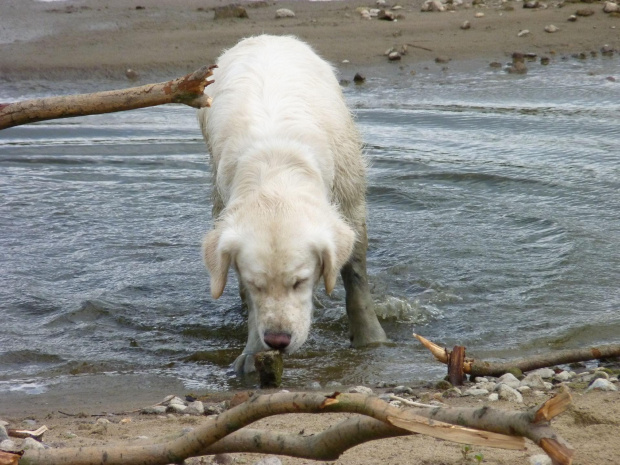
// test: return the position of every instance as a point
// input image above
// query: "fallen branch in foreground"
(225, 433)
(188, 90)
(481, 368)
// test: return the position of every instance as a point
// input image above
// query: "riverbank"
(156, 38)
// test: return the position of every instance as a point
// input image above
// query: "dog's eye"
(298, 283)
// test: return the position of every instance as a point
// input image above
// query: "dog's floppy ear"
(218, 247)
(336, 252)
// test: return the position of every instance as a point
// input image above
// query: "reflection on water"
(493, 222)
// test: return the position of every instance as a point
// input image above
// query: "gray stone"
(230, 11)
(333, 384)
(610, 7)
(533, 381)
(466, 25)
(3, 434)
(433, 5)
(524, 389)
(398, 390)
(601, 384)
(360, 390)
(551, 28)
(313, 386)
(480, 379)
(393, 56)
(195, 408)
(505, 392)
(176, 408)
(30, 443)
(562, 376)
(493, 397)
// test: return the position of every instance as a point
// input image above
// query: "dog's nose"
(278, 341)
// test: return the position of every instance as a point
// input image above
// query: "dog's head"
(280, 258)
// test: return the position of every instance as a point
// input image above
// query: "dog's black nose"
(277, 341)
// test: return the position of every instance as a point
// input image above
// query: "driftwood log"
(482, 368)
(482, 426)
(188, 90)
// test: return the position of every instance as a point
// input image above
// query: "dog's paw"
(244, 364)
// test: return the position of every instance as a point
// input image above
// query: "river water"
(493, 200)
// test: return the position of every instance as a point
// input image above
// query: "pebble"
(524, 389)
(102, 421)
(393, 56)
(523, 32)
(29, 422)
(584, 12)
(8, 444)
(466, 25)
(3, 434)
(505, 392)
(229, 11)
(386, 15)
(544, 373)
(285, 13)
(563, 376)
(610, 7)
(551, 28)
(602, 384)
(509, 380)
(360, 390)
(442, 59)
(271, 460)
(533, 381)
(572, 18)
(480, 14)
(541, 459)
(365, 14)
(30, 443)
(433, 5)
(195, 408)
(475, 392)
(131, 74)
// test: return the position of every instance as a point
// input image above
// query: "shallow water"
(493, 223)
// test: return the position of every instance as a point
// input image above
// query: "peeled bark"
(188, 90)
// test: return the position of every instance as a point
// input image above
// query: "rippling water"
(494, 206)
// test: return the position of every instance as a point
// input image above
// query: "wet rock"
(544, 373)
(505, 392)
(466, 25)
(533, 381)
(154, 410)
(607, 50)
(33, 444)
(442, 59)
(360, 390)
(601, 384)
(611, 7)
(584, 12)
(495, 64)
(271, 460)
(523, 32)
(551, 28)
(270, 367)
(230, 11)
(195, 408)
(359, 78)
(284, 13)
(509, 380)
(611, 79)
(132, 76)
(475, 392)
(433, 5)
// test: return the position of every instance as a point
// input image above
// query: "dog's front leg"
(364, 325)
(244, 363)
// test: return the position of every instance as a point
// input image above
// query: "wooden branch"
(188, 90)
(455, 365)
(22, 433)
(224, 433)
(482, 368)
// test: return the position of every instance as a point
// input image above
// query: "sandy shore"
(98, 39)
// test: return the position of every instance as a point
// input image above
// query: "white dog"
(289, 194)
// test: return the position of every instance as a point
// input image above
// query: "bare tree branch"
(225, 433)
(482, 368)
(188, 90)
